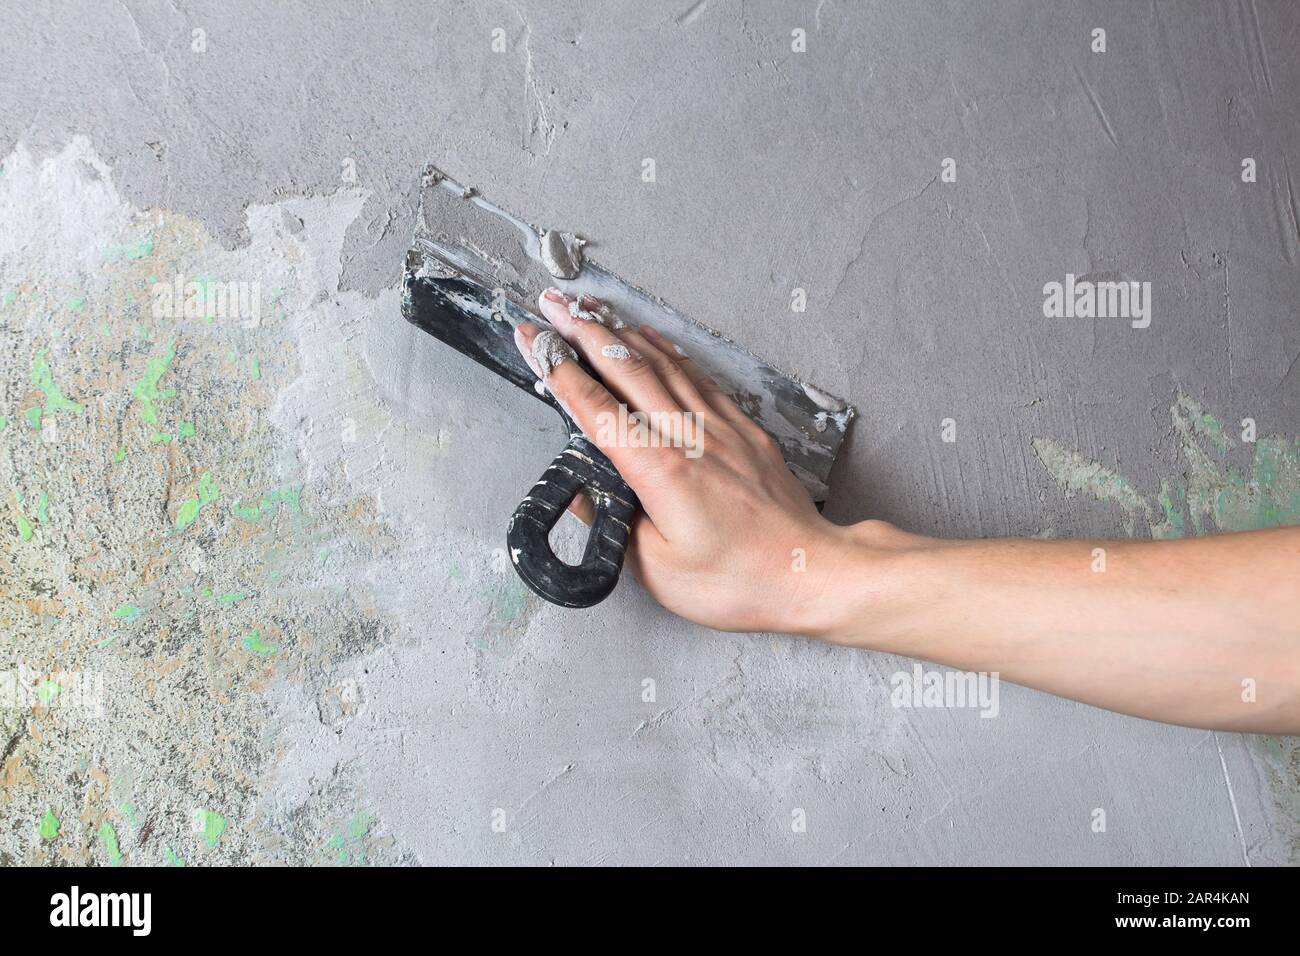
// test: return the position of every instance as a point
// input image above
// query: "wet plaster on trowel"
(562, 253)
(167, 566)
(1212, 493)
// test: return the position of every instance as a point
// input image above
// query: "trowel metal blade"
(460, 235)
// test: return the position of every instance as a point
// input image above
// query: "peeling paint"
(145, 488)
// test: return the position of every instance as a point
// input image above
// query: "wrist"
(874, 587)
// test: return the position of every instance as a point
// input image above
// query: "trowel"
(474, 272)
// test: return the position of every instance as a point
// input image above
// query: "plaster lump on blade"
(562, 253)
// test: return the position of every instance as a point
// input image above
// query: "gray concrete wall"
(272, 543)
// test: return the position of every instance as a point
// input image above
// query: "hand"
(728, 538)
(1172, 630)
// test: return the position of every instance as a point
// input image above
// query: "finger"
(672, 375)
(673, 378)
(713, 393)
(625, 373)
(590, 404)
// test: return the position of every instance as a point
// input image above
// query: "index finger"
(597, 413)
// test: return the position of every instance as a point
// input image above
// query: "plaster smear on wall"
(254, 532)
(165, 557)
(1211, 494)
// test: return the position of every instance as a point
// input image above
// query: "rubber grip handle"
(580, 468)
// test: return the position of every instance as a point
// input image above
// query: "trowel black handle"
(580, 468)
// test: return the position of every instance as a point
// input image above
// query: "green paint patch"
(108, 836)
(33, 416)
(25, 529)
(171, 859)
(11, 297)
(288, 496)
(43, 508)
(349, 846)
(1210, 494)
(253, 642)
(256, 370)
(185, 430)
(141, 249)
(189, 510)
(55, 400)
(119, 456)
(76, 305)
(128, 613)
(214, 825)
(4, 423)
(1173, 501)
(47, 690)
(234, 597)
(147, 390)
(50, 825)
(160, 438)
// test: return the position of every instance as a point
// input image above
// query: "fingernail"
(555, 295)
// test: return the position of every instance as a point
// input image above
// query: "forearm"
(1178, 631)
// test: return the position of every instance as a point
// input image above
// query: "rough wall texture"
(249, 577)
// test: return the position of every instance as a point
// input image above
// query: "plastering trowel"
(474, 272)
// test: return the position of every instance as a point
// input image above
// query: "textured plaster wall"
(249, 571)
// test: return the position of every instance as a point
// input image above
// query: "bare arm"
(1202, 632)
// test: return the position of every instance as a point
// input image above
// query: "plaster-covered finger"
(711, 391)
(627, 376)
(593, 407)
(675, 379)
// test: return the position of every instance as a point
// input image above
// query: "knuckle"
(672, 373)
(765, 441)
(588, 392)
(670, 464)
(638, 368)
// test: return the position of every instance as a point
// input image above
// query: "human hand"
(728, 537)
